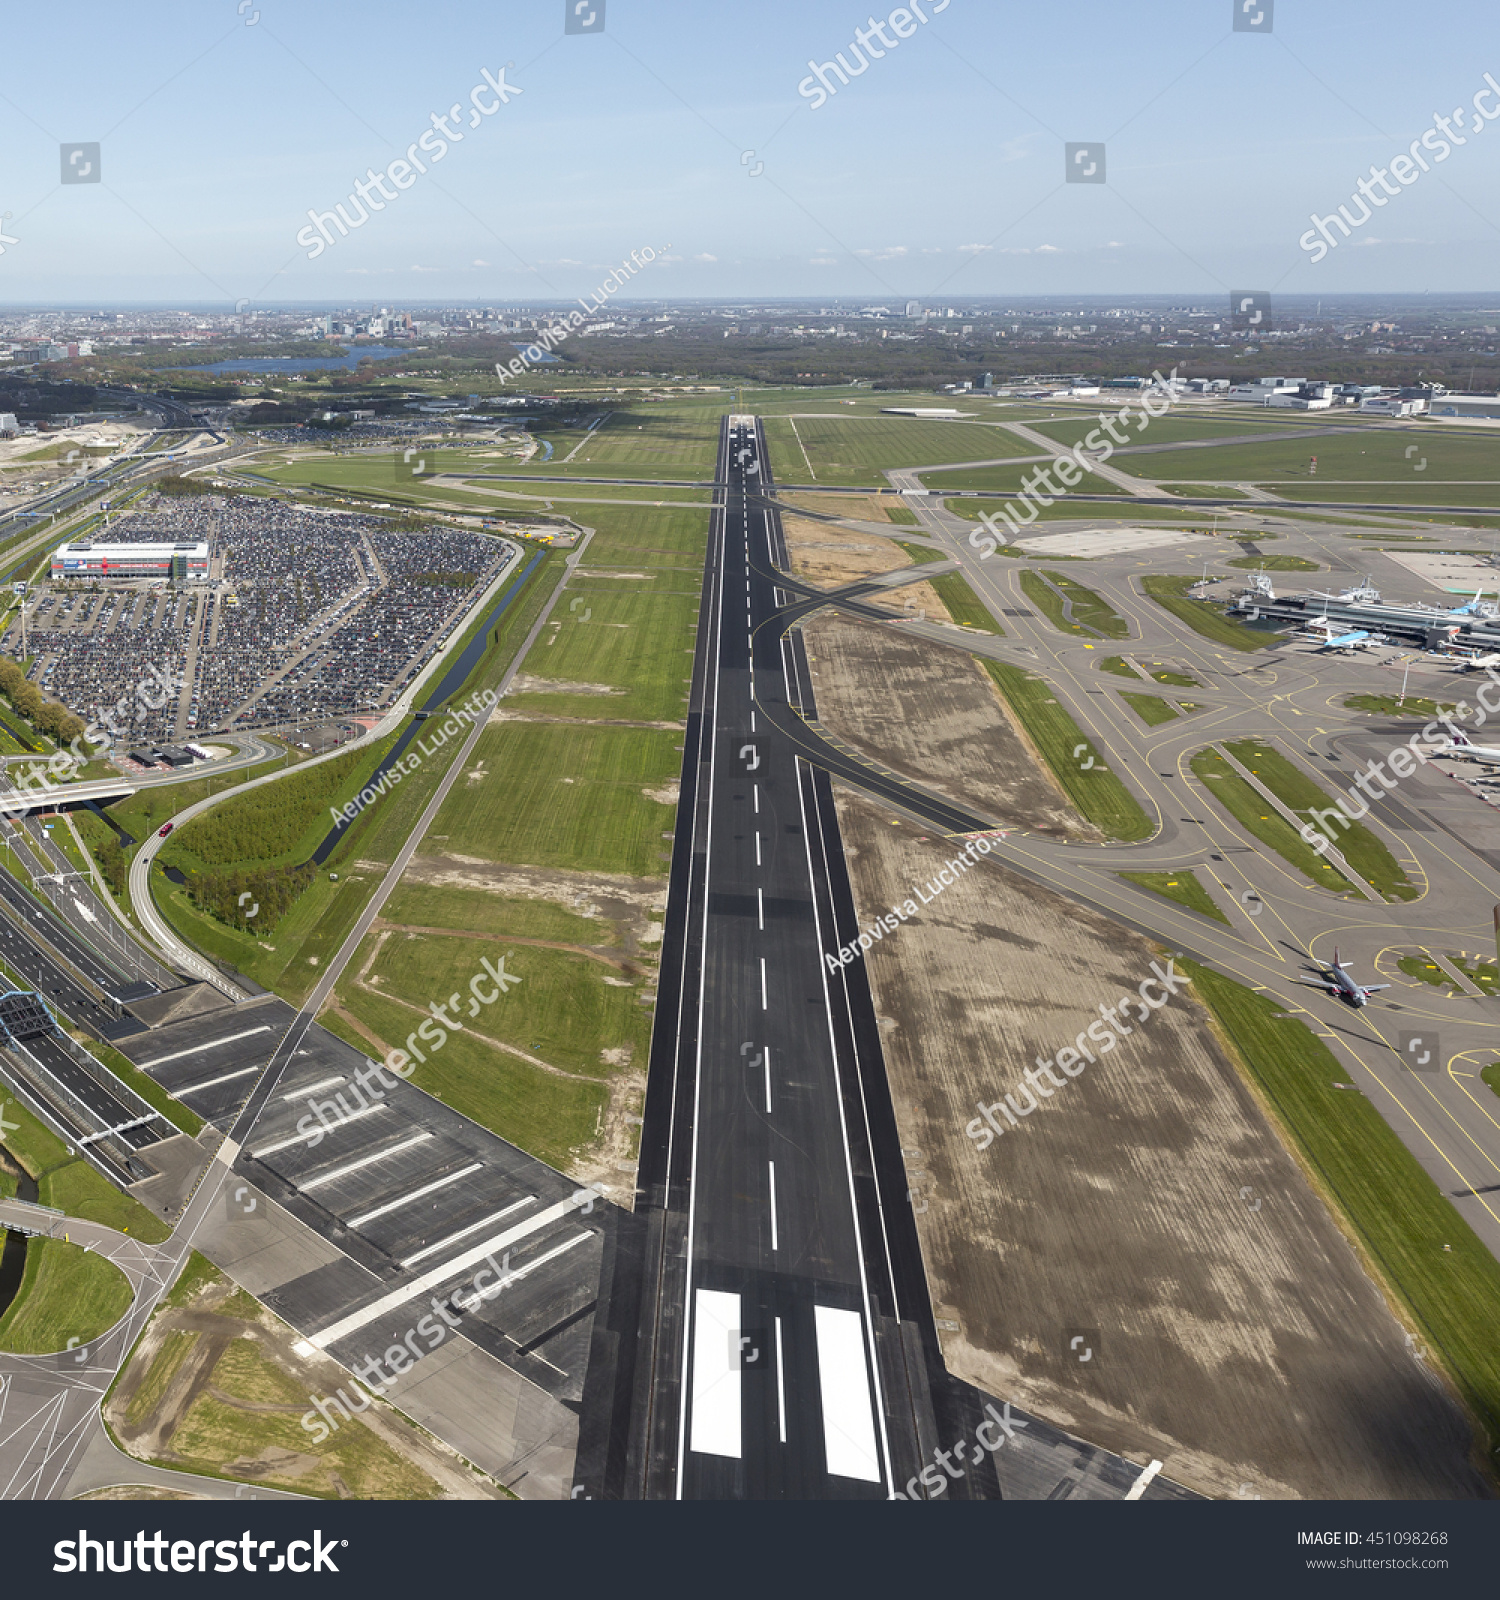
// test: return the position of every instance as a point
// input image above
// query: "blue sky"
(937, 174)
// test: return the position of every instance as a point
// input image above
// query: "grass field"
(920, 553)
(69, 1183)
(1088, 609)
(567, 1009)
(1183, 887)
(1150, 708)
(646, 537)
(962, 604)
(422, 905)
(1098, 794)
(1425, 971)
(1491, 1075)
(635, 637)
(1389, 705)
(1161, 430)
(1244, 805)
(1358, 845)
(1275, 563)
(1203, 616)
(1120, 668)
(1430, 1258)
(549, 1115)
(1352, 455)
(853, 450)
(567, 796)
(67, 1294)
(1422, 492)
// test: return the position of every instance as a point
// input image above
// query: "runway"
(773, 1370)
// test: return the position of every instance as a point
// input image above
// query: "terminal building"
(93, 560)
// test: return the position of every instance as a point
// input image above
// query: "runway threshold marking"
(716, 1374)
(314, 1088)
(844, 1379)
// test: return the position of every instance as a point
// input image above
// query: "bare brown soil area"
(1242, 1345)
(932, 715)
(861, 507)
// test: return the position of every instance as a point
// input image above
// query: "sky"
(676, 127)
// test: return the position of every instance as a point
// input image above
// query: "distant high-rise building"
(914, 308)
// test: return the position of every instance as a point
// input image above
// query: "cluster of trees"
(267, 822)
(48, 716)
(184, 486)
(113, 863)
(254, 899)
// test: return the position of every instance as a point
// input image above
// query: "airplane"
(1466, 749)
(1351, 641)
(1336, 981)
(1473, 607)
(1479, 663)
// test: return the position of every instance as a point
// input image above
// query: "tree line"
(47, 716)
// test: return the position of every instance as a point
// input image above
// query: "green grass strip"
(1150, 708)
(1183, 887)
(1097, 793)
(1434, 1263)
(920, 553)
(1389, 705)
(1203, 616)
(1269, 826)
(962, 604)
(1275, 563)
(1364, 852)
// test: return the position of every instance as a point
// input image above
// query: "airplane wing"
(1323, 983)
(1374, 988)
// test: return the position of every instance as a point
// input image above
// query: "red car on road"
(165, 831)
